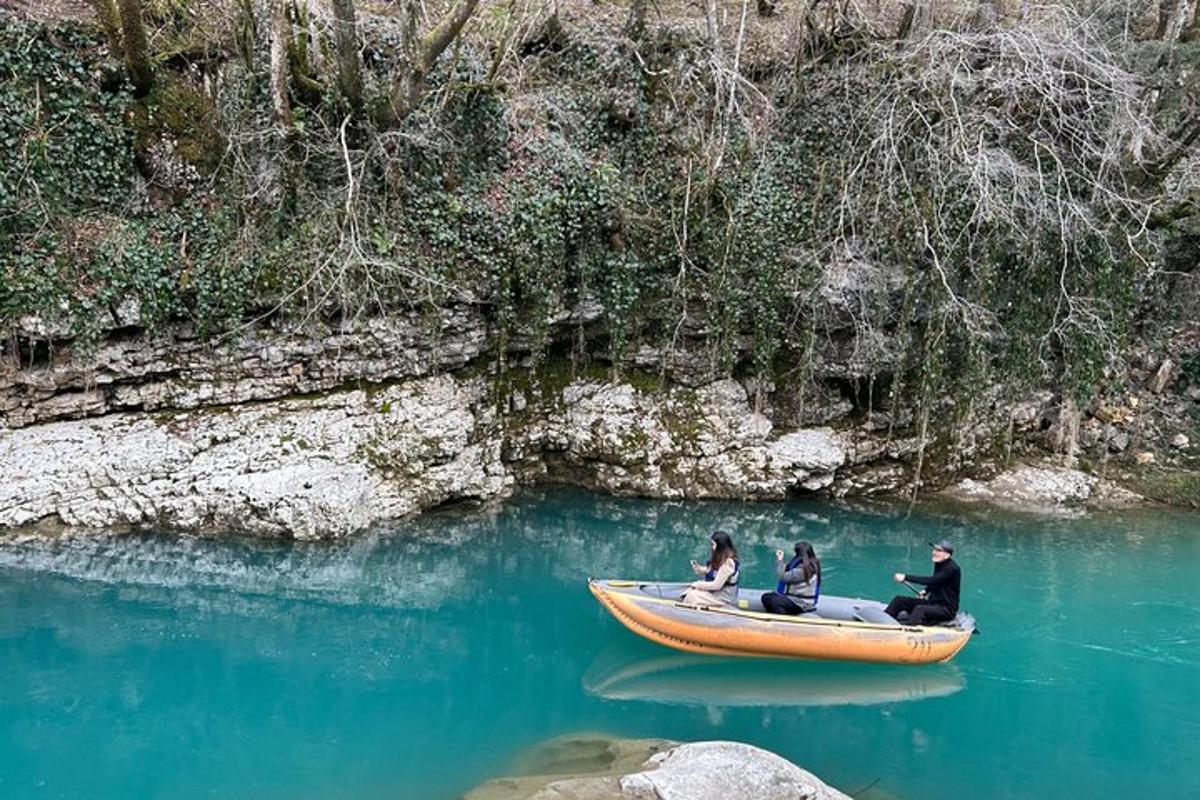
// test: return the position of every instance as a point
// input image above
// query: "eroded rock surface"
(180, 370)
(591, 767)
(306, 468)
(706, 442)
(322, 431)
(1039, 488)
(335, 463)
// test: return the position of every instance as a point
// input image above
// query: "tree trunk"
(137, 55)
(1171, 17)
(1193, 24)
(110, 23)
(245, 34)
(305, 88)
(906, 21)
(420, 56)
(765, 8)
(635, 24)
(281, 34)
(714, 32)
(345, 42)
(1164, 17)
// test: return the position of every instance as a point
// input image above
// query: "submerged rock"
(592, 767)
(719, 770)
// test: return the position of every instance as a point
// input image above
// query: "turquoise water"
(418, 660)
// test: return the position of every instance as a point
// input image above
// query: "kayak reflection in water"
(799, 584)
(721, 574)
(938, 602)
(631, 671)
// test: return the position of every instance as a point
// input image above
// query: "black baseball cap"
(943, 544)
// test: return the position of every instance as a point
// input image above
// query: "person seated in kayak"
(721, 574)
(938, 602)
(799, 583)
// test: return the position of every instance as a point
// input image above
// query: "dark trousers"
(776, 603)
(920, 611)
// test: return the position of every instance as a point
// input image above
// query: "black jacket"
(942, 587)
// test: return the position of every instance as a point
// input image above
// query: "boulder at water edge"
(590, 767)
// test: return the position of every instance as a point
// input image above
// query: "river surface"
(420, 659)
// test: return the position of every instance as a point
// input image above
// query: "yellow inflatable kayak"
(842, 628)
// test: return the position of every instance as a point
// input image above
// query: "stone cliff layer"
(321, 431)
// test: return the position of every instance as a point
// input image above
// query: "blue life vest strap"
(781, 587)
(737, 571)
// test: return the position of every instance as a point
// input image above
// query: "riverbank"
(321, 433)
(334, 461)
(303, 317)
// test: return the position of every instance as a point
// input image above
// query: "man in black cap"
(939, 600)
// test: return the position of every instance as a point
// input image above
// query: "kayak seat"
(876, 616)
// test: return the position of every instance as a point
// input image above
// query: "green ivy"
(579, 191)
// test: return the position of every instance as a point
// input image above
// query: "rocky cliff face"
(332, 464)
(318, 431)
(42, 379)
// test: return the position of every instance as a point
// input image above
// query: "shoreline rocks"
(329, 465)
(1043, 489)
(303, 468)
(321, 430)
(334, 463)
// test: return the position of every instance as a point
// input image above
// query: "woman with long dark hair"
(799, 584)
(721, 573)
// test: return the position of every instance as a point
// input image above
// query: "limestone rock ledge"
(1052, 489)
(677, 443)
(305, 468)
(335, 463)
(588, 767)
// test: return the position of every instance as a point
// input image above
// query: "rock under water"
(595, 767)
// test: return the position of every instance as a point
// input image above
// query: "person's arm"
(786, 575)
(930, 581)
(699, 568)
(718, 580)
